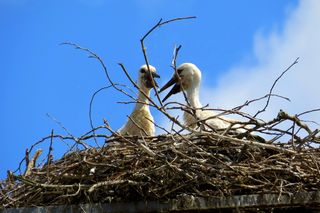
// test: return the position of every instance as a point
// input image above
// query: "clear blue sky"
(39, 76)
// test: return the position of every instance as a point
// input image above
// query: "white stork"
(140, 121)
(190, 78)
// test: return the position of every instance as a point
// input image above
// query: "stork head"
(190, 78)
(145, 77)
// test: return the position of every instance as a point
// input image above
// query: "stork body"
(140, 121)
(190, 79)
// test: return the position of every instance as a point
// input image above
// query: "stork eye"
(142, 71)
(179, 71)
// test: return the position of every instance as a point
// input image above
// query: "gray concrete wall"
(306, 200)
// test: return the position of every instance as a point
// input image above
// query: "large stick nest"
(166, 167)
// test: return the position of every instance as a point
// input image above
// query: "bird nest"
(165, 167)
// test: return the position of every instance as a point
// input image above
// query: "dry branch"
(273, 85)
(144, 50)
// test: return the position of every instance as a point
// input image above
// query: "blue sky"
(39, 76)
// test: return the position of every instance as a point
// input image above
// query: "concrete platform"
(306, 202)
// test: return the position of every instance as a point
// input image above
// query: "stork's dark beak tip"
(171, 82)
(165, 98)
(155, 75)
(175, 89)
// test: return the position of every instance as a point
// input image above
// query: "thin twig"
(67, 131)
(272, 87)
(144, 51)
(49, 156)
(90, 110)
(96, 56)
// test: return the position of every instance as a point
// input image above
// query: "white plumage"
(190, 78)
(140, 122)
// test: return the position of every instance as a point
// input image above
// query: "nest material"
(163, 168)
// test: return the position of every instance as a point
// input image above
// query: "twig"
(258, 144)
(110, 183)
(307, 112)
(160, 23)
(96, 56)
(144, 51)
(158, 126)
(146, 149)
(285, 116)
(57, 186)
(138, 126)
(49, 157)
(73, 194)
(174, 66)
(247, 103)
(90, 111)
(65, 129)
(273, 85)
(32, 163)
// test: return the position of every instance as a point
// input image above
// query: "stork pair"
(187, 79)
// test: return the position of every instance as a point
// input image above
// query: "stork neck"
(193, 98)
(142, 99)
